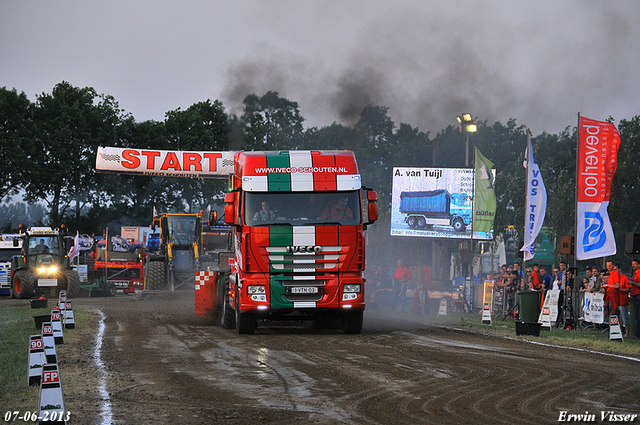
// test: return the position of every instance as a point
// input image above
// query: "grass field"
(592, 339)
(16, 327)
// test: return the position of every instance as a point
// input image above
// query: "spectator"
(587, 284)
(584, 286)
(570, 280)
(535, 281)
(635, 294)
(547, 280)
(556, 281)
(623, 308)
(612, 290)
(516, 268)
(401, 278)
(595, 280)
(383, 280)
(511, 287)
(562, 275)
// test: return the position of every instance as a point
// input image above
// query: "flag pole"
(575, 203)
(473, 208)
(526, 206)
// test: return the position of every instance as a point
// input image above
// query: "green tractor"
(174, 264)
(43, 266)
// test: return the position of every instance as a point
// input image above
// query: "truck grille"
(326, 259)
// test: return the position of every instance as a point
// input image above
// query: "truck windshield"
(182, 230)
(43, 245)
(302, 208)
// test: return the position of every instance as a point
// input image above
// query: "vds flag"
(598, 144)
(75, 249)
(484, 204)
(536, 203)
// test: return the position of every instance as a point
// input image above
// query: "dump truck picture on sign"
(433, 203)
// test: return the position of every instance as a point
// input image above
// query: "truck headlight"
(53, 269)
(349, 296)
(255, 289)
(352, 288)
(257, 293)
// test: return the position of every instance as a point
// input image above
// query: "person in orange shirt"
(612, 290)
(634, 290)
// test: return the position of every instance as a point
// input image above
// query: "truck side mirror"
(229, 208)
(370, 206)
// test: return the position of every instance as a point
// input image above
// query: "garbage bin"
(529, 305)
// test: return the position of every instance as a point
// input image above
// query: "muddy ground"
(153, 361)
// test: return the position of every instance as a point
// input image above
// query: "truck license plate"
(47, 282)
(304, 290)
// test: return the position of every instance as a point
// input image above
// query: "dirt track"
(163, 365)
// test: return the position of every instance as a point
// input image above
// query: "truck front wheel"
(23, 284)
(352, 322)
(458, 225)
(73, 284)
(156, 279)
(109, 290)
(246, 323)
(228, 316)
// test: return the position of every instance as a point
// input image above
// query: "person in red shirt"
(623, 308)
(612, 290)
(534, 280)
(634, 288)
(400, 279)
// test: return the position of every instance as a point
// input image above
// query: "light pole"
(468, 126)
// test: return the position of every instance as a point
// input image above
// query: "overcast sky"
(540, 62)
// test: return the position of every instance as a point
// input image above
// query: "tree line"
(48, 150)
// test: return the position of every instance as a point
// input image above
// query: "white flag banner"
(536, 203)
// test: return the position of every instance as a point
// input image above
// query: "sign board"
(433, 203)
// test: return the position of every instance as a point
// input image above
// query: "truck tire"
(352, 322)
(421, 223)
(73, 284)
(228, 316)
(246, 323)
(458, 225)
(156, 279)
(23, 284)
(412, 222)
(110, 290)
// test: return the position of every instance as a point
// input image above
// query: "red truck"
(298, 221)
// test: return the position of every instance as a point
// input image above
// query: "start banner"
(153, 162)
(598, 144)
